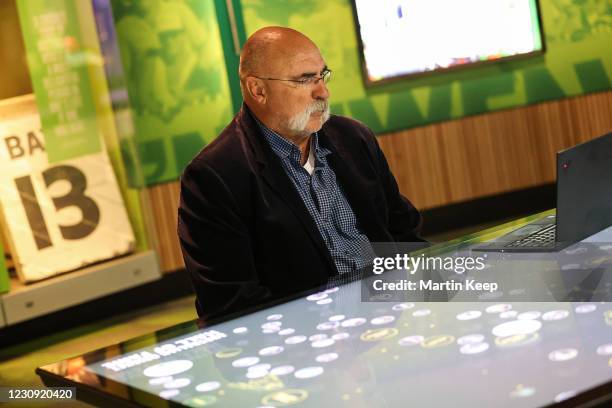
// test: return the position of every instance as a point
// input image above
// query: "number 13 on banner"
(62, 216)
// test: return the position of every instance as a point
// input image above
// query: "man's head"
(271, 59)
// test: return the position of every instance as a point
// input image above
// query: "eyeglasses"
(306, 81)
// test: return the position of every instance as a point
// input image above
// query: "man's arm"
(216, 244)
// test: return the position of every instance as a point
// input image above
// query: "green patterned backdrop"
(175, 119)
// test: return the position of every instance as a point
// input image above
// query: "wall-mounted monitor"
(401, 38)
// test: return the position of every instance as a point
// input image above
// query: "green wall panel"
(577, 33)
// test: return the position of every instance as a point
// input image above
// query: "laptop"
(584, 202)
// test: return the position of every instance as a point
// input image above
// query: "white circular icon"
(469, 315)
(240, 330)
(517, 327)
(531, 315)
(421, 312)
(177, 383)
(354, 322)
(282, 370)
(337, 318)
(327, 325)
(411, 340)
(324, 301)
(604, 350)
(168, 368)
(326, 358)
(208, 386)
(555, 315)
(340, 336)
(588, 308)
(470, 339)
(271, 351)
(323, 343)
(474, 348)
(563, 354)
(317, 296)
(286, 332)
(245, 362)
(308, 372)
(508, 314)
(167, 394)
(382, 320)
(402, 306)
(274, 317)
(296, 339)
(499, 308)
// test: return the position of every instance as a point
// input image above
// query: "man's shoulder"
(227, 152)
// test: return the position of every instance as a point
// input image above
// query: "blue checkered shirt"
(348, 246)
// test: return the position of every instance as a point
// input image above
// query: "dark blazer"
(247, 237)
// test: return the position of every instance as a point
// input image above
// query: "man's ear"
(256, 89)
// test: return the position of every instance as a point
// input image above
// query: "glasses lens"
(326, 76)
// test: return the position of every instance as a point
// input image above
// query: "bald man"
(288, 196)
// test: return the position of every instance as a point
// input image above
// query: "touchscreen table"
(331, 348)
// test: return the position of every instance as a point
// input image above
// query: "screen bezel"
(368, 83)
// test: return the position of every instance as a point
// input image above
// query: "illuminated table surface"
(332, 347)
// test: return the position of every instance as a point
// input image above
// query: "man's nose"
(320, 90)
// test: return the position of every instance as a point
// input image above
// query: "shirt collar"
(285, 148)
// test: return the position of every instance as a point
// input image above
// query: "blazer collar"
(274, 174)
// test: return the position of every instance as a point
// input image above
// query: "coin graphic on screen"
(228, 353)
(245, 361)
(555, 315)
(499, 308)
(421, 312)
(379, 334)
(604, 350)
(282, 370)
(469, 315)
(325, 301)
(168, 368)
(308, 372)
(327, 325)
(326, 358)
(354, 322)
(337, 318)
(271, 325)
(167, 394)
(296, 339)
(563, 354)
(317, 296)
(382, 320)
(240, 330)
(402, 306)
(470, 339)
(588, 308)
(286, 332)
(411, 340)
(208, 386)
(516, 340)
(323, 343)
(516, 327)
(159, 380)
(531, 315)
(340, 336)
(508, 314)
(177, 383)
(271, 351)
(474, 348)
(562, 396)
(332, 290)
(274, 317)
(438, 341)
(285, 397)
(317, 337)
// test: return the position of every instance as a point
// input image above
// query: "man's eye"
(304, 81)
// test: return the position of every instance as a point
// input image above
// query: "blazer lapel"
(274, 174)
(357, 189)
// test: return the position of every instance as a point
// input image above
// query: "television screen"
(410, 37)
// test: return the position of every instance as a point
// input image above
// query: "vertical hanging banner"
(174, 70)
(58, 64)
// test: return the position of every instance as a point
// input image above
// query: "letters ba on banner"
(58, 217)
